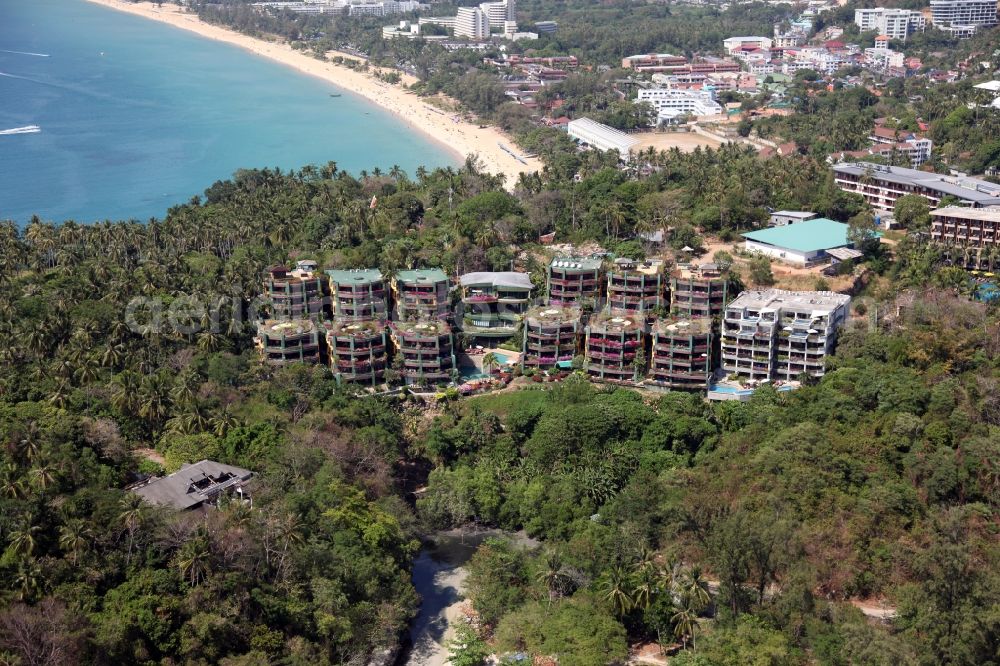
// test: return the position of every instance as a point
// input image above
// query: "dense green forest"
(879, 480)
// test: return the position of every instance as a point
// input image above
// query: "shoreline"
(457, 137)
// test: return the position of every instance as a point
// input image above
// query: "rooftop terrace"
(511, 279)
(552, 314)
(427, 327)
(276, 329)
(683, 327)
(351, 275)
(579, 263)
(776, 299)
(609, 323)
(422, 276)
(644, 267)
(354, 329)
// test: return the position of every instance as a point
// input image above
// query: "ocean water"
(136, 116)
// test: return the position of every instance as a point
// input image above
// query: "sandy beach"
(459, 137)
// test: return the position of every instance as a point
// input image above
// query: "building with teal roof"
(803, 243)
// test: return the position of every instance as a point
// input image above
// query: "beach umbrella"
(687, 248)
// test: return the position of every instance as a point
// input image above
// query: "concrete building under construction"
(293, 341)
(776, 334)
(681, 356)
(357, 350)
(615, 347)
(551, 336)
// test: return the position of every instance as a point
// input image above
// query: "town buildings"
(881, 185)
(681, 354)
(493, 303)
(654, 62)
(472, 23)
(293, 341)
(297, 293)
(615, 347)
(893, 23)
(574, 280)
(421, 294)
(550, 336)
(670, 103)
(803, 244)
(962, 18)
(636, 287)
(781, 218)
(733, 43)
(780, 335)
(601, 137)
(698, 291)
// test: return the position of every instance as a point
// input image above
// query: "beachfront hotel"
(615, 347)
(681, 357)
(969, 227)
(357, 294)
(778, 335)
(421, 294)
(295, 341)
(574, 280)
(881, 185)
(636, 286)
(698, 291)
(357, 350)
(297, 293)
(550, 337)
(493, 303)
(424, 350)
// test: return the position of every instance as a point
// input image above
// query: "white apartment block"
(472, 22)
(671, 102)
(881, 59)
(893, 23)
(778, 335)
(601, 137)
(733, 43)
(497, 13)
(963, 14)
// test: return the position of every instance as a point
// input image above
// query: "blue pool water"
(137, 116)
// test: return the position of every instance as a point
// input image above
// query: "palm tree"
(694, 589)
(685, 624)
(22, 539)
(28, 580)
(74, 539)
(132, 516)
(490, 362)
(553, 576)
(615, 586)
(194, 561)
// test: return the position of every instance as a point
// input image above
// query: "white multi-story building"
(961, 15)
(671, 102)
(471, 22)
(893, 23)
(733, 43)
(780, 335)
(497, 13)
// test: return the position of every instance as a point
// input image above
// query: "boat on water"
(335, 95)
(27, 129)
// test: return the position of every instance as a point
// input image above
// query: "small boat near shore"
(335, 95)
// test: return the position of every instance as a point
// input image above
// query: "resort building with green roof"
(803, 244)
(421, 294)
(573, 280)
(357, 294)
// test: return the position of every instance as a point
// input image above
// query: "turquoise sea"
(136, 116)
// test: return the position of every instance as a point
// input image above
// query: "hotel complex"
(967, 227)
(881, 185)
(604, 317)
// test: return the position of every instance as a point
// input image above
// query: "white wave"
(27, 53)
(27, 129)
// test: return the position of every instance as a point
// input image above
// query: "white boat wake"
(27, 53)
(27, 129)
